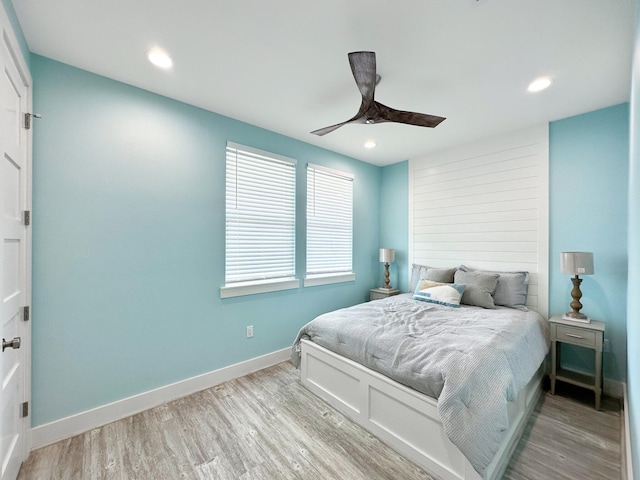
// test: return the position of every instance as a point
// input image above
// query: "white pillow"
(448, 294)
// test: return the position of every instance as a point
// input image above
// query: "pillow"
(511, 290)
(422, 272)
(417, 272)
(442, 275)
(479, 287)
(448, 294)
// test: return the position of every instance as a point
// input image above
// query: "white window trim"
(333, 171)
(252, 288)
(327, 279)
(262, 153)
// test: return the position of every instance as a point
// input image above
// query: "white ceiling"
(282, 64)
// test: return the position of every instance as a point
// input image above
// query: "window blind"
(260, 215)
(329, 221)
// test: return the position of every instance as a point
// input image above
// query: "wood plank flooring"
(267, 426)
(567, 439)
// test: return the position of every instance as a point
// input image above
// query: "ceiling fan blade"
(325, 130)
(387, 114)
(357, 118)
(363, 66)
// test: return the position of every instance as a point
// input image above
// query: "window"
(260, 222)
(329, 226)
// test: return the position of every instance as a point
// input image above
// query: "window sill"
(316, 280)
(252, 288)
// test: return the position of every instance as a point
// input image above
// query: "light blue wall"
(394, 218)
(588, 172)
(633, 298)
(128, 243)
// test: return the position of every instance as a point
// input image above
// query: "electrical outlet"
(250, 331)
(605, 346)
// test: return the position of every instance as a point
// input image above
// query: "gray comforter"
(472, 360)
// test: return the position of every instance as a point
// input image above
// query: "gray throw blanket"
(472, 360)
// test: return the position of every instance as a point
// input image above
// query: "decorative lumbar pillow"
(443, 275)
(479, 288)
(511, 290)
(441, 293)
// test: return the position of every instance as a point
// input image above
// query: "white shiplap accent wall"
(485, 205)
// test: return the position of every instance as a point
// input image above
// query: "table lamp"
(576, 263)
(387, 255)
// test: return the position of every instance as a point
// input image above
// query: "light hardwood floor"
(267, 426)
(566, 438)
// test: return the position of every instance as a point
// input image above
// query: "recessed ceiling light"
(159, 58)
(369, 144)
(539, 84)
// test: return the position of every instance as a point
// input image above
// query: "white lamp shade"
(576, 263)
(387, 255)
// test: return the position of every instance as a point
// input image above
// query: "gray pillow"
(425, 272)
(417, 272)
(478, 287)
(442, 275)
(511, 290)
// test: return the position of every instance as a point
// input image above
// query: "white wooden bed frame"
(403, 418)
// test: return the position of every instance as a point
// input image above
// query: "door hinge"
(25, 409)
(25, 314)
(27, 119)
(27, 218)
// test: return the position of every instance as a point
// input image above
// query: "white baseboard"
(612, 388)
(68, 427)
(627, 458)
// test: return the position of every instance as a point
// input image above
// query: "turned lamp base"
(575, 305)
(387, 283)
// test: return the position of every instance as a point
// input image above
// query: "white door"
(15, 253)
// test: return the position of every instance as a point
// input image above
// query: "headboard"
(485, 205)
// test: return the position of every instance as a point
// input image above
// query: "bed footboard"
(402, 418)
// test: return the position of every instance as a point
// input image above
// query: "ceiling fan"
(363, 66)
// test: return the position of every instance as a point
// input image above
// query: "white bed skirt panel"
(403, 418)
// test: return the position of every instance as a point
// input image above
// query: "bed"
(449, 386)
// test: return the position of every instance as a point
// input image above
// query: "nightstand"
(378, 293)
(588, 335)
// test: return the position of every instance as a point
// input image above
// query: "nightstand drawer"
(576, 336)
(378, 293)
